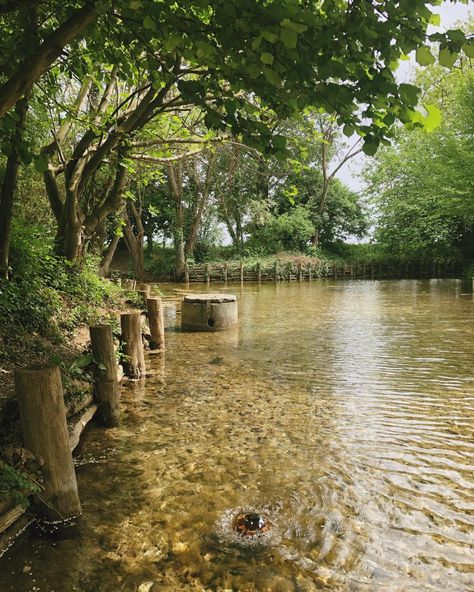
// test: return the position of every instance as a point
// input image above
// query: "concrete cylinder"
(209, 312)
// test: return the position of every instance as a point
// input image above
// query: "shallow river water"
(342, 411)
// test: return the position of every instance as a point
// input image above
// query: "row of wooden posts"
(300, 271)
(40, 396)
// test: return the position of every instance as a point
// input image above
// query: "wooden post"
(225, 271)
(40, 397)
(144, 294)
(310, 272)
(186, 273)
(207, 273)
(129, 284)
(105, 374)
(241, 272)
(156, 322)
(300, 272)
(275, 270)
(134, 362)
(259, 273)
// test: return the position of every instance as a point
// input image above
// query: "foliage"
(290, 231)
(16, 485)
(44, 287)
(422, 186)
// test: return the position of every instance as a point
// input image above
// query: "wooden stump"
(105, 374)
(39, 392)
(156, 322)
(134, 362)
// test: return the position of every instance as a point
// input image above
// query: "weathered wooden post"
(128, 284)
(134, 361)
(40, 397)
(275, 270)
(300, 272)
(241, 272)
(310, 272)
(156, 322)
(207, 273)
(144, 295)
(186, 273)
(225, 271)
(105, 374)
(259, 273)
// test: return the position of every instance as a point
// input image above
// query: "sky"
(451, 13)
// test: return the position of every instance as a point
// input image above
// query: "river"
(341, 411)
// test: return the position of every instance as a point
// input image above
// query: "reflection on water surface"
(341, 411)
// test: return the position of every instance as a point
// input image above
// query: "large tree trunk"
(10, 183)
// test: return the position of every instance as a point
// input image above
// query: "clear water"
(341, 410)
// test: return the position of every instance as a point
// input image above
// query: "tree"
(423, 185)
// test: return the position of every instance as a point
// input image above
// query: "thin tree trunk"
(108, 256)
(9, 184)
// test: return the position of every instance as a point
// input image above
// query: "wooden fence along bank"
(291, 271)
(52, 421)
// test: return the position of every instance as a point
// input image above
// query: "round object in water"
(250, 524)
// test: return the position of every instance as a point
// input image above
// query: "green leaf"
(433, 119)
(409, 93)
(270, 37)
(148, 22)
(296, 27)
(272, 76)
(424, 56)
(447, 58)
(41, 164)
(256, 42)
(266, 58)
(279, 142)
(348, 130)
(468, 49)
(370, 145)
(289, 38)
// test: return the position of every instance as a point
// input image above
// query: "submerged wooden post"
(105, 374)
(241, 271)
(156, 322)
(40, 397)
(134, 362)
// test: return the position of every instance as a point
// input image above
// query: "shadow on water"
(340, 411)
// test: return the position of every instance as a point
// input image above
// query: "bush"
(45, 287)
(291, 231)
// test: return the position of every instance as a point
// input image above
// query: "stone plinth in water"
(209, 312)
